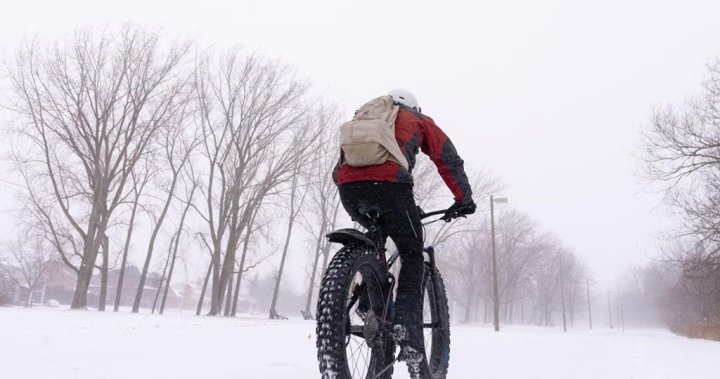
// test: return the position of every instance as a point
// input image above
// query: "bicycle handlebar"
(444, 212)
(424, 215)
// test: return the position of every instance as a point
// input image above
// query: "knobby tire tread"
(331, 317)
(439, 356)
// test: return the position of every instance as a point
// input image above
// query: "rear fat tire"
(333, 319)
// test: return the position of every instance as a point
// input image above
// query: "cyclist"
(387, 187)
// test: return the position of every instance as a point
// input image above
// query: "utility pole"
(587, 284)
(609, 311)
(562, 294)
(496, 307)
(496, 302)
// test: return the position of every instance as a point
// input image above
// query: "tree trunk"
(151, 245)
(104, 275)
(123, 263)
(229, 296)
(468, 310)
(240, 270)
(175, 246)
(273, 311)
(215, 265)
(291, 219)
(311, 286)
(28, 301)
(162, 279)
(126, 249)
(172, 268)
(204, 288)
(91, 246)
(224, 281)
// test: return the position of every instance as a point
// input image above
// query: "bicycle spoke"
(358, 353)
(359, 356)
(355, 362)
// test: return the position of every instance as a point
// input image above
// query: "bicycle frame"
(378, 242)
(372, 293)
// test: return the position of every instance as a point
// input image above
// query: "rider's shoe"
(412, 356)
(415, 361)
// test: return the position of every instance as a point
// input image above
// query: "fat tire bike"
(358, 282)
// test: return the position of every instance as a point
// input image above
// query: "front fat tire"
(438, 356)
(333, 319)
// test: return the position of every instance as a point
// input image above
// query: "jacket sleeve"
(337, 168)
(442, 152)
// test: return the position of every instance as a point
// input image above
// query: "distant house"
(61, 284)
(9, 291)
(131, 280)
(53, 286)
(61, 287)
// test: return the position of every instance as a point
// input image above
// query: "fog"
(545, 102)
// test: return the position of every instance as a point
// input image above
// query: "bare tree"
(190, 188)
(242, 267)
(177, 143)
(682, 143)
(467, 270)
(574, 276)
(530, 265)
(28, 261)
(297, 195)
(681, 153)
(89, 109)
(139, 183)
(644, 290)
(57, 234)
(320, 217)
(317, 137)
(250, 112)
(520, 247)
(432, 194)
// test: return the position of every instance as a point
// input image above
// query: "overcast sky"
(549, 95)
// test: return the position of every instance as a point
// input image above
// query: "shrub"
(709, 330)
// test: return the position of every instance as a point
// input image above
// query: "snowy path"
(52, 343)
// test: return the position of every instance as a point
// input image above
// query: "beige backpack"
(369, 138)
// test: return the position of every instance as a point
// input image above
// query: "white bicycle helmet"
(405, 97)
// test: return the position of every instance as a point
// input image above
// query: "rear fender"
(350, 236)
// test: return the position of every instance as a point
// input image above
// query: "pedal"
(372, 326)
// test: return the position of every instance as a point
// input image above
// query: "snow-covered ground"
(57, 343)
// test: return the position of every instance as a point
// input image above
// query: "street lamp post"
(496, 304)
(587, 284)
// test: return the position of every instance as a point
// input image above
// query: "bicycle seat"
(372, 212)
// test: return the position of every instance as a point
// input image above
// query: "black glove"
(460, 209)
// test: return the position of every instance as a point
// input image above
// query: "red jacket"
(413, 132)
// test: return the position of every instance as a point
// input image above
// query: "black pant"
(400, 221)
